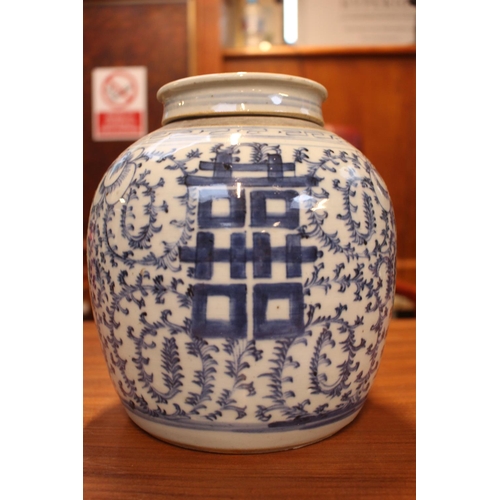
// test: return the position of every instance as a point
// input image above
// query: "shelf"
(307, 51)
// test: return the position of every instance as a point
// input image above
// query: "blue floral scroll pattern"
(163, 371)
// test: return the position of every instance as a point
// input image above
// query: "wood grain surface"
(373, 457)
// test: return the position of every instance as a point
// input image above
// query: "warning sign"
(119, 103)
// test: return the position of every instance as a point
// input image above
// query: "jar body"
(242, 277)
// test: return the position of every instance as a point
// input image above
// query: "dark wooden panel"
(149, 33)
(207, 16)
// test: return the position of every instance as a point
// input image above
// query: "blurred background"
(362, 51)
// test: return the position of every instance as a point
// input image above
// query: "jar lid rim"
(241, 76)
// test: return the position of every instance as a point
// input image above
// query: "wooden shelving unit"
(298, 51)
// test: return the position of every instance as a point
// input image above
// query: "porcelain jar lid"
(243, 94)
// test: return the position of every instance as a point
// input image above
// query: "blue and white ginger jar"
(242, 268)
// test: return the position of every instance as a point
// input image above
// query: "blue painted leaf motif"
(172, 374)
(300, 155)
(278, 394)
(203, 378)
(235, 367)
(316, 281)
(194, 153)
(261, 151)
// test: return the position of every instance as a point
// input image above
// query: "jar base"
(242, 443)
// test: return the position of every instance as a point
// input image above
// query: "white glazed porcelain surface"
(242, 279)
(243, 93)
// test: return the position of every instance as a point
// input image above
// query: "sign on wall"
(356, 23)
(119, 103)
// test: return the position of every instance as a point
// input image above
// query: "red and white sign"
(119, 103)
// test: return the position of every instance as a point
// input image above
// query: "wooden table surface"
(373, 457)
